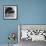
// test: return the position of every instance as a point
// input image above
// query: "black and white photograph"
(10, 12)
(31, 34)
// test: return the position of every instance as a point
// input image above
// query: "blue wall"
(33, 11)
(29, 12)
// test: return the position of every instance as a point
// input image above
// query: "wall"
(29, 12)
(7, 26)
(33, 12)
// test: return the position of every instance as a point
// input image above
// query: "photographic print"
(33, 32)
(10, 12)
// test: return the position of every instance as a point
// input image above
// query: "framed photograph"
(10, 12)
(31, 32)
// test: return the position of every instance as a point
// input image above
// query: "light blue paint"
(33, 12)
(29, 12)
